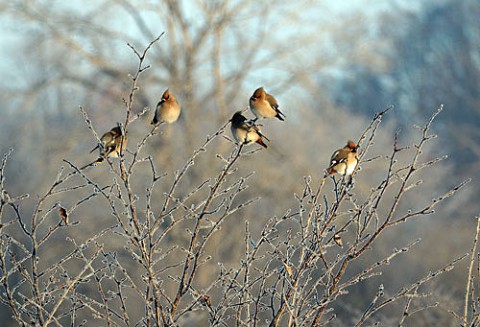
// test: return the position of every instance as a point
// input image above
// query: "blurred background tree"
(330, 66)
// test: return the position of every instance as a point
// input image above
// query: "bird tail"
(280, 114)
(349, 181)
(99, 160)
(259, 141)
(154, 120)
(262, 135)
(82, 168)
(94, 148)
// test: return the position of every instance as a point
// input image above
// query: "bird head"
(238, 118)
(351, 145)
(117, 130)
(166, 95)
(258, 93)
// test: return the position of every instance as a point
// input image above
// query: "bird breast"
(169, 112)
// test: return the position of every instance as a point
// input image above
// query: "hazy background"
(330, 66)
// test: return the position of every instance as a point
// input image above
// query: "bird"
(264, 105)
(111, 144)
(205, 300)
(338, 240)
(168, 109)
(344, 161)
(245, 133)
(63, 214)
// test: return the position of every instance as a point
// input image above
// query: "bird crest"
(259, 93)
(166, 95)
(351, 145)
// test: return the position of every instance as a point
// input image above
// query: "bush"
(159, 258)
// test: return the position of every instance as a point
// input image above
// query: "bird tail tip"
(259, 141)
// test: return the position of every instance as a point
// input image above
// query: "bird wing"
(339, 156)
(333, 159)
(111, 141)
(273, 102)
(107, 138)
(244, 126)
(257, 130)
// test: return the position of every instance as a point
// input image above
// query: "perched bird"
(111, 144)
(264, 105)
(205, 300)
(338, 240)
(63, 214)
(168, 109)
(246, 133)
(344, 160)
